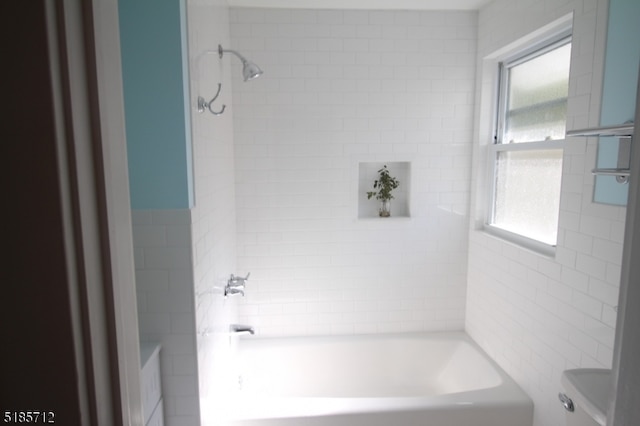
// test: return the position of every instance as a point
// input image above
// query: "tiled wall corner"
(339, 88)
(539, 315)
(214, 213)
(166, 313)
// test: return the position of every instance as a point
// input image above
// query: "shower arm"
(221, 53)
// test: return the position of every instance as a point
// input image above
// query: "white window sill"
(521, 241)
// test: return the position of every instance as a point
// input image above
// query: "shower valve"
(235, 285)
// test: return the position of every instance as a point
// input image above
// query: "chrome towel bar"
(620, 131)
(624, 133)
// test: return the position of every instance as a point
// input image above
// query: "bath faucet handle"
(232, 291)
(235, 285)
(238, 281)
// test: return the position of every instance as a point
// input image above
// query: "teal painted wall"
(155, 71)
(619, 90)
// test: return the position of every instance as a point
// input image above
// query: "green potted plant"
(383, 187)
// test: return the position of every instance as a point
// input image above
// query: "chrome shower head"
(249, 69)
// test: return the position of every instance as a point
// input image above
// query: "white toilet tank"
(585, 396)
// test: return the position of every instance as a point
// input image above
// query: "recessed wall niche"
(368, 173)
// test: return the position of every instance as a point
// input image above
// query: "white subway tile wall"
(214, 213)
(340, 88)
(537, 315)
(166, 311)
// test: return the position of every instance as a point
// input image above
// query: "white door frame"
(86, 74)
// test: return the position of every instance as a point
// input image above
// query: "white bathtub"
(435, 379)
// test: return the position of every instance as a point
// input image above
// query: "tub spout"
(241, 329)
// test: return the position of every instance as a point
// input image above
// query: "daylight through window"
(527, 153)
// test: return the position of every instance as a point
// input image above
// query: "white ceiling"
(364, 4)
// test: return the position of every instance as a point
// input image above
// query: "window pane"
(527, 197)
(537, 97)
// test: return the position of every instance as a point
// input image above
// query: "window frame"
(496, 146)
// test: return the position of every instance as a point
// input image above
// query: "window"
(527, 151)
